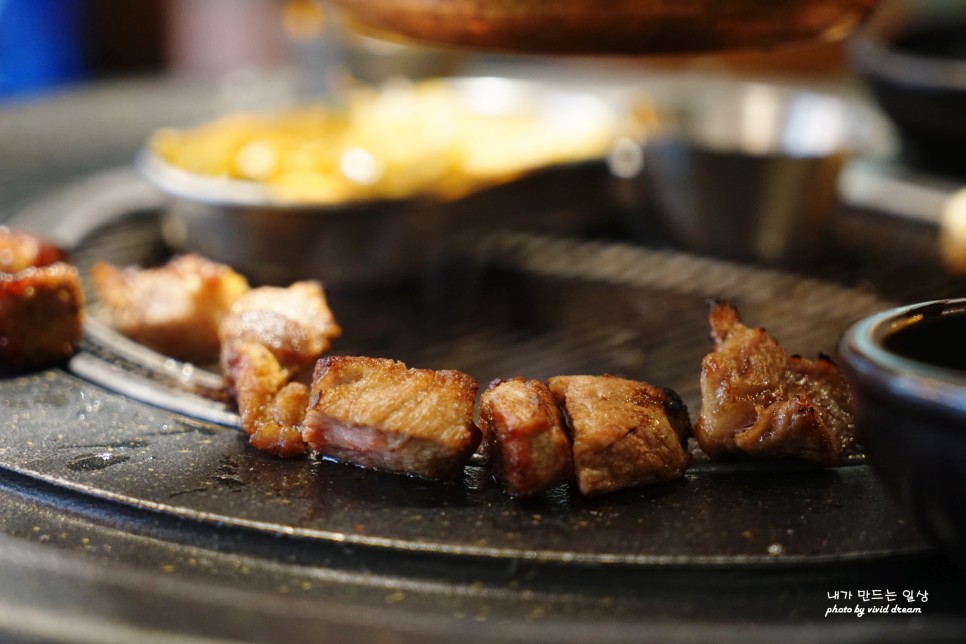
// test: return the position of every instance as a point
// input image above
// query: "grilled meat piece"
(20, 250)
(524, 431)
(295, 324)
(41, 315)
(625, 433)
(271, 408)
(175, 309)
(376, 413)
(41, 301)
(759, 401)
(271, 334)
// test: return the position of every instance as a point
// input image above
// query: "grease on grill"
(94, 462)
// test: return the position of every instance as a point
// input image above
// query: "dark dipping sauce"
(934, 339)
(947, 40)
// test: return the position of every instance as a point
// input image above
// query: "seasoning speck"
(395, 597)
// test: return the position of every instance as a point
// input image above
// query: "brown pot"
(614, 27)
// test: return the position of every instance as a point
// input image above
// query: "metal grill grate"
(516, 304)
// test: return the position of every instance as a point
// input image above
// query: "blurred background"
(50, 44)
(84, 82)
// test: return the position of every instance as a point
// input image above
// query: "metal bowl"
(749, 170)
(908, 369)
(275, 242)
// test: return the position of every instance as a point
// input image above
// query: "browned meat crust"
(270, 407)
(175, 309)
(759, 401)
(625, 433)
(41, 315)
(270, 334)
(524, 430)
(295, 324)
(377, 413)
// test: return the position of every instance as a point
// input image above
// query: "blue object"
(41, 45)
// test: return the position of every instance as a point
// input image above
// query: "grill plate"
(138, 429)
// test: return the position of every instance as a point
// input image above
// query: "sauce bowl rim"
(864, 353)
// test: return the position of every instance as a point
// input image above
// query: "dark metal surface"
(77, 569)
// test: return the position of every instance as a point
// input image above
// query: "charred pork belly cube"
(758, 401)
(268, 337)
(175, 309)
(524, 431)
(41, 315)
(625, 433)
(377, 413)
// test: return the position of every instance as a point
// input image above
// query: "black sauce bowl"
(908, 369)
(912, 56)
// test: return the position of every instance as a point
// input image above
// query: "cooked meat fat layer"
(20, 250)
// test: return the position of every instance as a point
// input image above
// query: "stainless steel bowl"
(749, 170)
(908, 369)
(243, 225)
